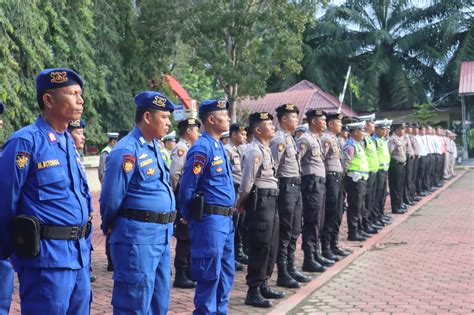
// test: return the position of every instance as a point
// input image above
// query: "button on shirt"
(257, 168)
(208, 170)
(178, 158)
(421, 145)
(397, 148)
(235, 156)
(331, 152)
(311, 155)
(136, 177)
(285, 155)
(42, 176)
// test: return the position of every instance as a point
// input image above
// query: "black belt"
(63, 232)
(335, 174)
(397, 162)
(148, 216)
(290, 180)
(266, 192)
(315, 178)
(213, 209)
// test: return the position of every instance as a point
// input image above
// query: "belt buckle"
(147, 216)
(74, 232)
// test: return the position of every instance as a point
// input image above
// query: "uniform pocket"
(204, 264)
(52, 184)
(129, 290)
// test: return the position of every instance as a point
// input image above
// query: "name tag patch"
(48, 163)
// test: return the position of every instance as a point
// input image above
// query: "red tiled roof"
(466, 78)
(306, 95)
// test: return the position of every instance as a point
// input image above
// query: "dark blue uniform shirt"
(207, 169)
(136, 177)
(42, 176)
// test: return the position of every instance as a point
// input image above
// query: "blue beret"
(154, 100)
(2, 108)
(213, 105)
(56, 78)
(77, 124)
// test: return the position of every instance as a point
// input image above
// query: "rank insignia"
(180, 152)
(151, 171)
(52, 137)
(219, 169)
(302, 146)
(281, 147)
(22, 159)
(128, 162)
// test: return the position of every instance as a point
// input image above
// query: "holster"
(252, 200)
(197, 206)
(26, 234)
(89, 226)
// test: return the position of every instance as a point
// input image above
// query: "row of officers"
(246, 202)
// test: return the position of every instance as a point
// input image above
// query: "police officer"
(206, 202)
(6, 269)
(334, 189)
(76, 129)
(407, 140)
(237, 138)
(105, 153)
(420, 181)
(44, 193)
(313, 188)
(257, 196)
(138, 204)
(416, 162)
(370, 149)
(288, 172)
(396, 171)
(356, 169)
(188, 134)
(383, 154)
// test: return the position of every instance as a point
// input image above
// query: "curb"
(285, 306)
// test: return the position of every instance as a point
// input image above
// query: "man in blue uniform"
(138, 205)
(207, 197)
(45, 203)
(6, 269)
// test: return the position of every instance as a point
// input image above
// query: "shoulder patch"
(128, 162)
(281, 147)
(180, 152)
(198, 164)
(22, 159)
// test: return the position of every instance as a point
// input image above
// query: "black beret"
(236, 128)
(77, 124)
(190, 122)
(334, 116)
(398, 125)
(315, 113)
(287, 108)
(259, 116)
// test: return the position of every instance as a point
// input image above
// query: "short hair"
(203, 117)
(140, 111)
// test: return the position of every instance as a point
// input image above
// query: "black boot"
(295, 274)
(327, 252)
(284, 279)
(269, 293)
(181, 280)
(255, 298)
(339, 251)
(322, 260)
(310, 265)
(356, 237)
(240, 255)
(238, 266)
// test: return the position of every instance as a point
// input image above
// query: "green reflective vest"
(106, 149)
(359, 163)
(371, 153)
(383, 153)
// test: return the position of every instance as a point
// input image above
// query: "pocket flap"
(129, 277)
(203, 253)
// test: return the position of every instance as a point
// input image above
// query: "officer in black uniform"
(396, 172)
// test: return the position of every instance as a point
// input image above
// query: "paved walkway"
(425, 265)
(459, 198)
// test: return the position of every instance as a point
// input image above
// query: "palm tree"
(394, 47)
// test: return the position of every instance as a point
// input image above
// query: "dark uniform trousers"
(380, 195)
(239, 228)
(355, 199)
(369, 199)
(436, 169)
(407, 179)
(440, 171)
(420, 175)
(313, 189)
(263, 226)
(290, 207)
(416, 165)
(182, 256)
(334, 207)
(396, 178)
(430, 170)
